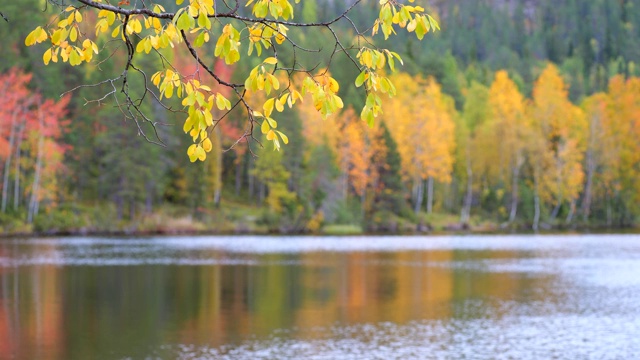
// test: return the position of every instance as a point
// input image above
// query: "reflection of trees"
(78, 312)
(493, 287)
(31, 310)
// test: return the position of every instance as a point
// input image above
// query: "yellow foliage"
(504, 135)
(561, 128)
(621, 126)
(420, 119)
(353, 152)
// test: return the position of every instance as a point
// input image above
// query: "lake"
(436, 297)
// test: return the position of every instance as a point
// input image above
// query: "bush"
(11, 222)
(387, 221)
(58, 220)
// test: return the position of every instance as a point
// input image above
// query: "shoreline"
(163, 232)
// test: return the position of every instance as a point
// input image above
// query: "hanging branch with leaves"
(260, 26)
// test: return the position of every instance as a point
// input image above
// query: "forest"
(517, 115)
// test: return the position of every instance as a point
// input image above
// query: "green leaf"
(199, 41)
(184, 22)
(370, 100)
(360, 79)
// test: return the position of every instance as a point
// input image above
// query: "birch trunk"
(419, 196)
(468, 199)
(429, 195)
(588, 190)
(572, 210)
(536, 204)
(514, 191)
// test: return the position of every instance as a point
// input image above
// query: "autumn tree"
(273, 177)
(506, 135)
(80, 33)
(597, 149)
(562, 127)
(354, 155)
(29, 144)
(469, 142)
(622, 129)
(421, 122)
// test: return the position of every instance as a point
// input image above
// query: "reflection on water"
(325, 298)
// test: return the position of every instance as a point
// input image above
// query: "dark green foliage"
(391, 196)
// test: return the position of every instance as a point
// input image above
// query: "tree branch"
(229, 15)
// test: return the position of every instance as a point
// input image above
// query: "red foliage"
(23, 111)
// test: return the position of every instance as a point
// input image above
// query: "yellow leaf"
(208, 118)
(333, 85)
(284, 137)
(280, 105)
(137, 27)
(412, 25)
(271, 135)
(41, 35)
(220, 103)
(191, 150)
(168, 91)
(268, 107)
(46, 57)
(270, 60)
(30, 39)
(202, 155)
(207, 145)
(111, 17)
(73, 35)
(140, 46)
(338, 101)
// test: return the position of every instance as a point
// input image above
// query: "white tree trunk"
(419, 195)
(515, 191)
(468, 199)
(429, 195)
(536, 204)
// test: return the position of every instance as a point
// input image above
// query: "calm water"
(471, 297)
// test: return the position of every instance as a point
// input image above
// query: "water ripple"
(554, 337)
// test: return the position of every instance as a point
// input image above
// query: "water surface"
(453, 297)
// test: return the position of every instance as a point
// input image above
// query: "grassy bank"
(239, 218)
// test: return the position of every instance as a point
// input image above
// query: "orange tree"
(85, 31)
